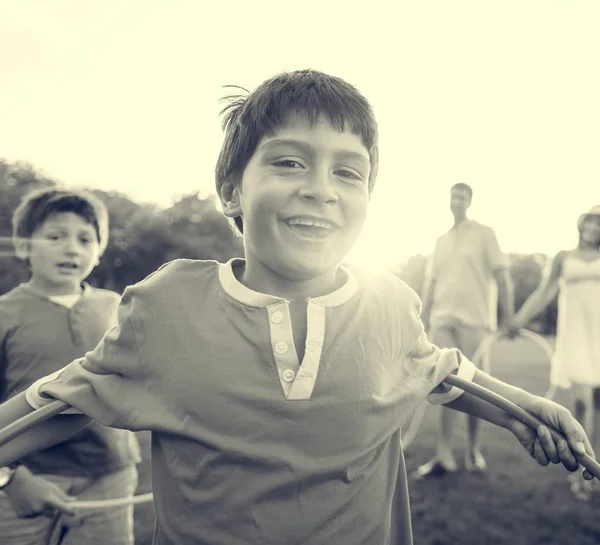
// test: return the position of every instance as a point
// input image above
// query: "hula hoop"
(25, 423)
(29, 421)
(106, 504)
(521, 414)
(56, 407)
(479, 359)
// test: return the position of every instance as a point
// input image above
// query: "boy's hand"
(540, 444)
(30, 495)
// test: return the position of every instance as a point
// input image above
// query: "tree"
(15, 180)
(142, 237)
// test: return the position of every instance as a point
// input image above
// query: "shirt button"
(288, 375)
(281, 347)
(276, 317)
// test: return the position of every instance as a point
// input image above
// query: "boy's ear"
(22, 248)
(230, 194)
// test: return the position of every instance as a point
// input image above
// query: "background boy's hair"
(248, 118)
(37, 206)
(463, 187)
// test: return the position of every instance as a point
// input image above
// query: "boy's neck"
(52, 290)
(263, 280)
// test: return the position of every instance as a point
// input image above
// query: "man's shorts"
(456, 334)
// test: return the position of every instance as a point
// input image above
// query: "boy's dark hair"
(463, 187)
(36, 207)
(248, 118)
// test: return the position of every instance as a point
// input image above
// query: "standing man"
(459, 311)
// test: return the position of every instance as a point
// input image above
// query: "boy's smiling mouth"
(311, 227)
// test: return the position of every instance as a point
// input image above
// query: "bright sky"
(501, 95)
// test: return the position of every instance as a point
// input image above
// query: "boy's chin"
(312, 270)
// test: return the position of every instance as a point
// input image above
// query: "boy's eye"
(349, 174)
(287, 163)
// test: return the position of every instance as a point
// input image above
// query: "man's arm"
(428, 290)
(499, 265)
(427, 298)
(506, 295)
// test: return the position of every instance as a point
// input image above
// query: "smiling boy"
(276, 386)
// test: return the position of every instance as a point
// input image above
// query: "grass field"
(516, 502)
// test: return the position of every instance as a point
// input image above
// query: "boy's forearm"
(468, 403)
(43, 435)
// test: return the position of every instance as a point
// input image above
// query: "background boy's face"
(303, 198)
(63, 251)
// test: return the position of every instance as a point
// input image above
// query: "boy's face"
(62, 252)
(303, 199)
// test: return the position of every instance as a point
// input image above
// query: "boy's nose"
(72, 247)
(321, 189)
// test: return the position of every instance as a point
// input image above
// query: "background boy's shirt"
(249, 446)
(37, 336)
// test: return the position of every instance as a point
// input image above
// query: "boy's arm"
(471, 404)
(538, 443)
(45, 434)
(108, 385)
(433, 365)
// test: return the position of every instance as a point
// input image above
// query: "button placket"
(282, 344)
(304, 384)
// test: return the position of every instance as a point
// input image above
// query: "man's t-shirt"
(463, 265)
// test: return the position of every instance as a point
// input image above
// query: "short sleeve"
(496, 258)
(111, 384)
(107, 382)
(433, 364)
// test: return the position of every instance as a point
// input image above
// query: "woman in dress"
(576, 364)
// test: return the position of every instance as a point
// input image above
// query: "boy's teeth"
(311, 222)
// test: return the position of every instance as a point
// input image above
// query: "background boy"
(54, 317)
(276, 386)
